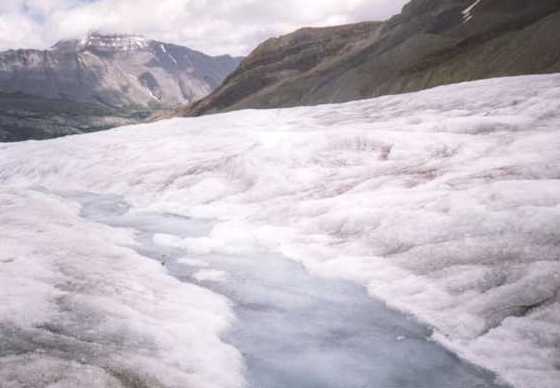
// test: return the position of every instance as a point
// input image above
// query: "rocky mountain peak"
(105, 43)
(98, 82)
(114, 42)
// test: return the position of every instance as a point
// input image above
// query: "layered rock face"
(115, 70)
(100, 82)
(432, 42)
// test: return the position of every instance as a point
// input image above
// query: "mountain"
(114, 70)
(430, 43)
(100, 81)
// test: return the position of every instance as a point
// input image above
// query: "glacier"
(444, 204)
(295, 329)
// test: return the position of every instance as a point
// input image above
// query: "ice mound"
(80, 308)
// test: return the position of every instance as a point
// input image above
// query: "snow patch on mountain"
(95, 70)
(467, 12)
(114, 42)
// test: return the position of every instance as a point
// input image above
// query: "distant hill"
(432, 42)
(24, 117)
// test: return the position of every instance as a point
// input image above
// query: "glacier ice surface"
(443, 203)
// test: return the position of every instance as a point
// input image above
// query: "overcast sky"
(213, 26)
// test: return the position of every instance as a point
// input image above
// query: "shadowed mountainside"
(24, 117)
(432, 42)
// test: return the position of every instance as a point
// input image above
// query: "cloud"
(213, 26)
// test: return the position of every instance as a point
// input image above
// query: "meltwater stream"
(296, 330)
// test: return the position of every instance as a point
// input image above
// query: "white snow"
(211, 275)
(467, 12)
(164, 50)
(151, 93)
(444, 203)
(69, 286)
(115, 42)
(193, 262)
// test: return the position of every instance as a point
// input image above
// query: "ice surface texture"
(444, 203)
(295, 329)
(78, 308)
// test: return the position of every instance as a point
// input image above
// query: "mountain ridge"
(430, 43)
(99, 82)
(115, 69)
